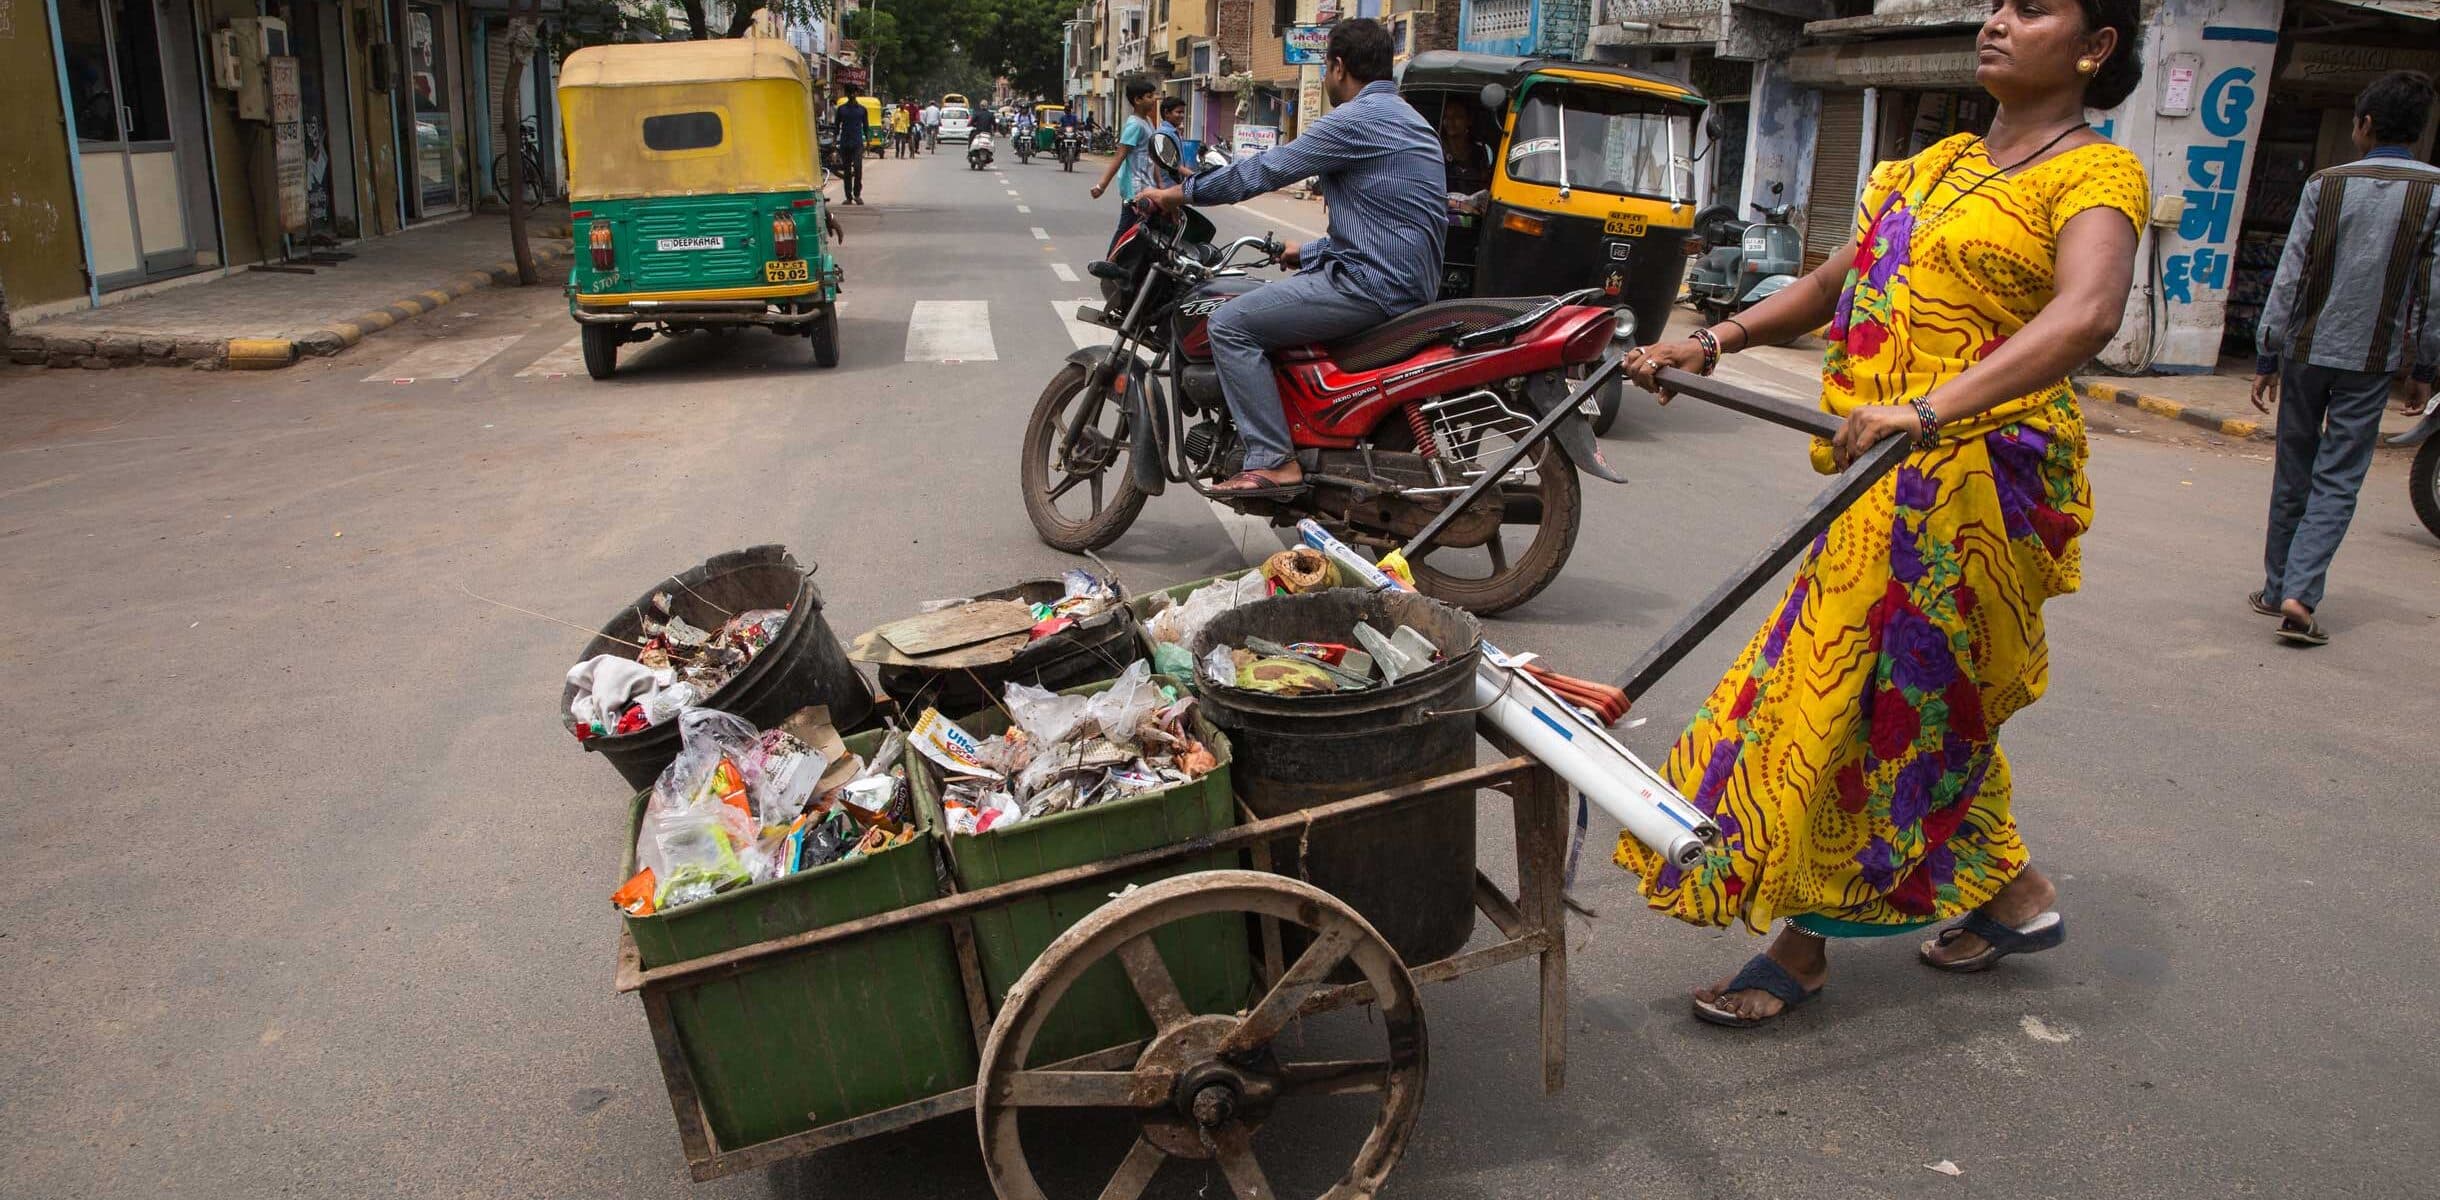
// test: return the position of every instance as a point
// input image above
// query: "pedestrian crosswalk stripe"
(568, 359)
(1041, 234)
(950, 331)
(450, 358)
(1066, 273)
(1012, 191)
(1025, 208)
(1085, 335)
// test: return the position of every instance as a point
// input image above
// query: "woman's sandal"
(1999, 941)
(1760, 973)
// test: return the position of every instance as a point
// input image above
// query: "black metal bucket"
(1094, 649)
(1411, 872)
(804, 666)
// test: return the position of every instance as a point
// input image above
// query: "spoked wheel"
(1204, 1084)
(1085, 498)
(1541, 508)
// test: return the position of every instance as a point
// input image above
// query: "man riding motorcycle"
(1380, 169)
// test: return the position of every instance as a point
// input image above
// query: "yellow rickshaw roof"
(651, 64)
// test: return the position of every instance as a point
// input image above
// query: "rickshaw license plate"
(792, 270)
(1624, 225)
(692, 243)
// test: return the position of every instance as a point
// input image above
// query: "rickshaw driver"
(1380, 169)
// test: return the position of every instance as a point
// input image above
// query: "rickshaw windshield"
(1623, 142)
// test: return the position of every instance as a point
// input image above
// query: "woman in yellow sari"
(1849, 756)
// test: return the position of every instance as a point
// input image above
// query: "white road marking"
(1066, 273)
(1275, 219)
(1041, 234)
(1012, 191)
(568, 359)
(1084, 334)
(452, 358)
(1025, 208)
(950, 330)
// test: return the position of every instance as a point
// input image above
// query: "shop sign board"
(1305, 45)
(288, 142)
(1252, 139)
(2340, 68)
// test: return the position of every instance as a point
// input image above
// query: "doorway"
(436, 118)
(134, 95)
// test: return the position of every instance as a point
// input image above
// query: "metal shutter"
(1830, 201)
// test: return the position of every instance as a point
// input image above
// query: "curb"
(108, 349)
(2235, 427)
(339, 335)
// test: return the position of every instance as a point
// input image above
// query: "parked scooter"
(1748, 261)
(2423, 478)
(978, 151)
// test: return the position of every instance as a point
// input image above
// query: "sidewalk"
(260, 319)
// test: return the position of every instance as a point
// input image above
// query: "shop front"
(135, 106)
(432, 109)
(1880, 100)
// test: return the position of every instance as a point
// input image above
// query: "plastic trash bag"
(705, 735)
(697, 859)
(1046, 716)
(1171, 659)
(1121, 710)
(1220, 667)
(1180, 622)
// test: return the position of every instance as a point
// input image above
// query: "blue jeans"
(1296, 311)
(2329, 420)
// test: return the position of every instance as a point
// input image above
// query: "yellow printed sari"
(1850, 755)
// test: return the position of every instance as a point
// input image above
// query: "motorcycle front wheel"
(2424, 476)
(1086, 499)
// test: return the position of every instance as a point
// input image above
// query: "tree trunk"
(512, 116)
(698, 26)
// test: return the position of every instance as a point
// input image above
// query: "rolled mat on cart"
(805, 665)
(1409, 872)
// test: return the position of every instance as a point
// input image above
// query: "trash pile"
(676, 666)
(1171, 629)
(1065, 752)
(969, 633)
(1370, 658)
(738, 807)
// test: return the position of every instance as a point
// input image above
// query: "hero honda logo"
(1202, 308)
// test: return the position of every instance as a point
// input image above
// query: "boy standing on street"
(1133, 163)
(2359, 257)
(1173, 116)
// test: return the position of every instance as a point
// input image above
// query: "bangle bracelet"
(1742, 332)
(1711, 348)
(1930, 421)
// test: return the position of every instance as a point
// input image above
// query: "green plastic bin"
(807, 1040)
(1207, 956)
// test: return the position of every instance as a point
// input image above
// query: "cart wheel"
(1205, 1082)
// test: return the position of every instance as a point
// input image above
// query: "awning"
(1946, 62)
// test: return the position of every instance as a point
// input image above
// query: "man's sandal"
(1263, 488)
(2262, 603)
(1761, 973)
(2310, 633)
(1999, 941)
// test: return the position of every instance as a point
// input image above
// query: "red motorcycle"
(1393, 426)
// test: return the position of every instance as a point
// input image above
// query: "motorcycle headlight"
(1624, 334)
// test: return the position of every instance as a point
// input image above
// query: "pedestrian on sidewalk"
(1132, 165)
(849, 119)
(2359, 257)
(1851, 756)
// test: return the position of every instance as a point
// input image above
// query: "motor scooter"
(1748, 261)
(2423, 478)
(978, 151)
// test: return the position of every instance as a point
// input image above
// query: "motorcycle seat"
(1403, 335)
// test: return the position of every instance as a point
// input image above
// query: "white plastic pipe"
(1562, 738)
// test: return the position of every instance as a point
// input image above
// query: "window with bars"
(1491, 20)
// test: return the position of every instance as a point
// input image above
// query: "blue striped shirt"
(1380, 170)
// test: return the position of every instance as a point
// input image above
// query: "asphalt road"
(306, 884)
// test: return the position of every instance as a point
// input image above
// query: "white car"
(956, 124)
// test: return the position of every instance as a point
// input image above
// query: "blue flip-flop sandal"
(1760, 974)
(1999, 941)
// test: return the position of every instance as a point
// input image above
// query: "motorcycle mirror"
(1716, 127)
(1165, 151)
(1778, 188)
(1495, 97)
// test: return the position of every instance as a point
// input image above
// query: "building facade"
(147, 142)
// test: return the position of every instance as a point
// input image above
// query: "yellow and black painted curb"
(339, 335)
(2235, 427)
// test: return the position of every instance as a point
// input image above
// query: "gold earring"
(2086, 66)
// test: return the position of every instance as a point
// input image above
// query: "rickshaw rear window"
(682, 131)
(1617, 141)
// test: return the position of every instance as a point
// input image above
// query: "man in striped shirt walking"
(2358, 268)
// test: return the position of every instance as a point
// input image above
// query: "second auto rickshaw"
(1575, 175)
(1046, 127)
(696, 195)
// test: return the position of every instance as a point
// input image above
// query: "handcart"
(1201, 1084)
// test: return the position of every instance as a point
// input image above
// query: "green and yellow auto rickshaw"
(1579, 174)
(876, 126)
(1046, 126)
(695, 193)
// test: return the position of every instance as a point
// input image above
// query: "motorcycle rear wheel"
(2424, 478)
(1557, 498)
(1103, 447)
